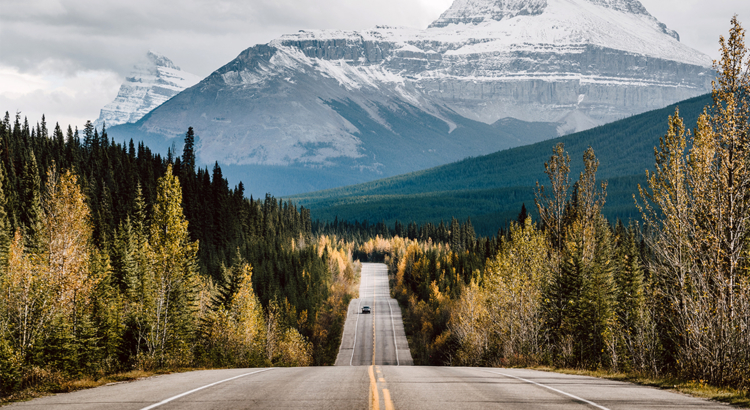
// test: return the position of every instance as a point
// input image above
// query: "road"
(367, 378)
(383, 328)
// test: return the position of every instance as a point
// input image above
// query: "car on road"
(366, 309)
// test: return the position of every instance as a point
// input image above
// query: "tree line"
(114, 258)
(669, 295)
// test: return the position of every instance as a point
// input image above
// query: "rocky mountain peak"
(159, 60)
(153, 81)
(479, 11)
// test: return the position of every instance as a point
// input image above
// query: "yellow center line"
(387, 399)
(374, 399)
(374, 396)
(374, 337)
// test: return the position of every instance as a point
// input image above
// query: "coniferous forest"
(115, 258)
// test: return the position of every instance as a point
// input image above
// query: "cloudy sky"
(67, 58)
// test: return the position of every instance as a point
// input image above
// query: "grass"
(695, 388)
(55, 383)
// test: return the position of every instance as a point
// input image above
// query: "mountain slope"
(492, 188)
(151, 83)
(390, 100)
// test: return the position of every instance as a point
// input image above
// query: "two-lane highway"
(371, 372)
(377, 338)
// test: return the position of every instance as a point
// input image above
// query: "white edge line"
(553, 389)
(354, 345)
(201, 388)
(393, 326)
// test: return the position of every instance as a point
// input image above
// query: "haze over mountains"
(153, 81)
(326, 108)
(491, 188)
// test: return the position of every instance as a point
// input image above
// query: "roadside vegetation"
(115, 262)
(664, 301)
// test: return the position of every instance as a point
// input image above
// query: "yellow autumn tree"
(470, 325)
(171, 282)
(67, 243)
(513, 282)
(697, 207)
(50, 283)
(234, 332)
(28, 295)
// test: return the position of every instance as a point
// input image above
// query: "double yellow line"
(374, 396)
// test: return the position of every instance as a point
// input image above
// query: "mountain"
(491, 189)
(325, 108)
(151, 83)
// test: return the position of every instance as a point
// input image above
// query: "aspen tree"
(67, 242)
(173, 270)
(513, 282)
(552, 205)
(697, 209)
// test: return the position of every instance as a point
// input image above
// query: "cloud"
(64, 99)
(699, 22)
(67, 57)
(95, 34)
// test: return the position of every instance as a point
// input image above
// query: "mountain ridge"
(324, 98)
(491, 188)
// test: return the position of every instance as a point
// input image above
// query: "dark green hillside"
(492, 188)
(488, 209)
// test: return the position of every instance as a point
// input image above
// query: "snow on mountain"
(151, 83)
(327, 98)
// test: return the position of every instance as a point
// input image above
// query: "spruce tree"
(5, 228)
(630, 306)
(188, 154)
(31, 205)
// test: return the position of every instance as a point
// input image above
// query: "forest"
(665, 296)
(114, 258)
(492, 188)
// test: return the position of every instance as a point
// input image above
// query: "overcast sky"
(67, 58)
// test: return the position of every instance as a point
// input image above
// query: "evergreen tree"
(455, 235)
(88, 136)
(5, 227)
(188, 154)
(522, 215)
(31, 205)
(631, 304)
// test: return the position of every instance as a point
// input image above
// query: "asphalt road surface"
(383, 328)
(368, 375)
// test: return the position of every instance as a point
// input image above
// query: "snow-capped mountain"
(152, 82)
(392, 100)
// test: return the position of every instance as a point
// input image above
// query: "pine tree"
(522, 215)
(455, 235)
